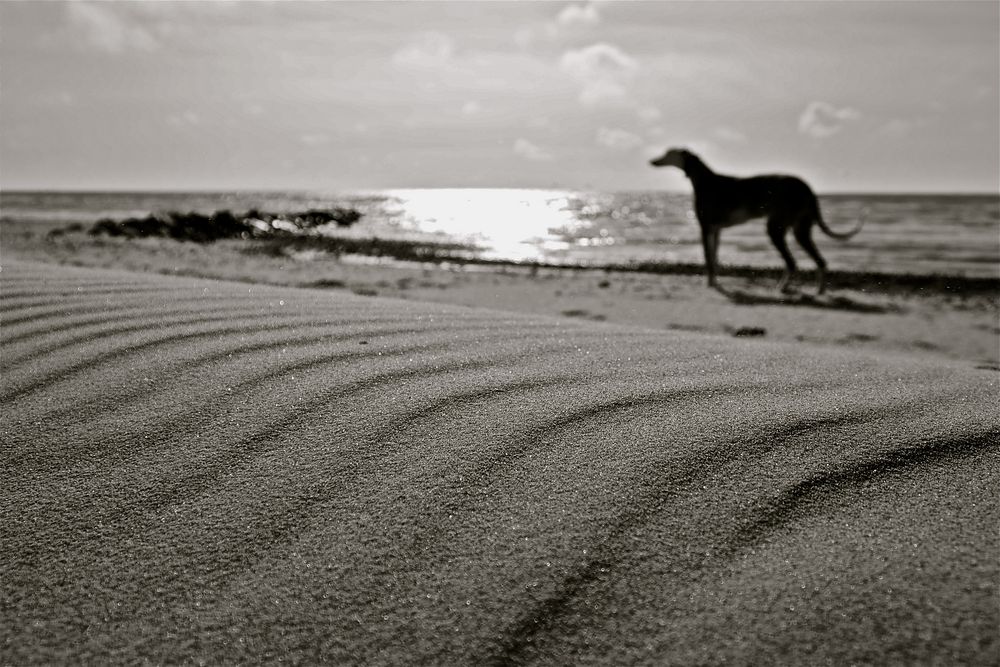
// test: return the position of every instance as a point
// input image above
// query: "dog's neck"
(695, 169)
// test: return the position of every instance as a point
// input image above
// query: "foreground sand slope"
(199, 470)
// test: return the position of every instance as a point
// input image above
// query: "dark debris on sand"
(223, 224)
(274, 234)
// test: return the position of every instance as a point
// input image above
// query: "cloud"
(530, 151)
(108, 30)
(603, 71)
(617, 139)
(598, 60)
(568, 20)
(427, 51)
(821, 120)
(579, 15)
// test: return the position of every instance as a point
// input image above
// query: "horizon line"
(130, 190)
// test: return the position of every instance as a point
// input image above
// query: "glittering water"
(953, 234)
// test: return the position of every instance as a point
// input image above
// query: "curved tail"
(841, 236)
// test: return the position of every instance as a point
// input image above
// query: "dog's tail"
(841, 236)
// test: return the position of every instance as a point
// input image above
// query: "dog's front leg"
(710, 244)
(716, 233)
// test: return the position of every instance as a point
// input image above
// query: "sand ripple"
(220, 472)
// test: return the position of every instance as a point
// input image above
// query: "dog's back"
(736, 200)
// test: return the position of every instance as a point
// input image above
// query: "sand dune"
(207, 471)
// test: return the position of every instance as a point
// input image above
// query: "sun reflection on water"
(510, 224)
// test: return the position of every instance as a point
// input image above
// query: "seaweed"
(223, 224)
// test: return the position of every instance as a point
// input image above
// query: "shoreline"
(930, 316)
(452, 253)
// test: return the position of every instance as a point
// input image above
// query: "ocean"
(918, 234)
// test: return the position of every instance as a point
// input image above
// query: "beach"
(934, 317)
(453, 333)
(534, 466)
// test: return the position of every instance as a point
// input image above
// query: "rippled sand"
(200, 470)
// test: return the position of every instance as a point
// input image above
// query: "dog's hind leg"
(803, 234)
(776, 229)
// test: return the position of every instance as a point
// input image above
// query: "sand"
(219, 472)
(954, 320)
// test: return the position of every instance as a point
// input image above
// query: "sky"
(337, 96)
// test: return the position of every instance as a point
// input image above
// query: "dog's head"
(675, 157)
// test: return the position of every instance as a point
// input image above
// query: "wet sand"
(200, 470)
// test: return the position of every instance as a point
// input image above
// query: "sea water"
(920, 234)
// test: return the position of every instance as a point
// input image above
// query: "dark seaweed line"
(898, 282)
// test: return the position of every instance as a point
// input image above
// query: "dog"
(724, 201)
